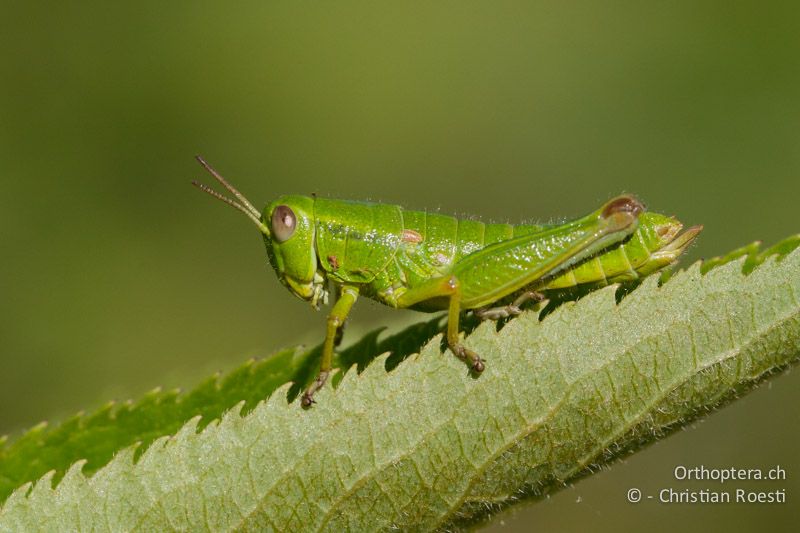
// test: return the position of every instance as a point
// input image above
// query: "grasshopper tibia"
(512, 309)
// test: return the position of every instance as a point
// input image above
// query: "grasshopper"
(431, 262)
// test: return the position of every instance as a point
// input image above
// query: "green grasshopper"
(430, 262)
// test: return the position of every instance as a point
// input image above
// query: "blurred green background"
(116, 276)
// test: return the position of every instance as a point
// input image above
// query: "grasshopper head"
(290, 245)
(287, 225)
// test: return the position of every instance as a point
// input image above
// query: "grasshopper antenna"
(245, 207)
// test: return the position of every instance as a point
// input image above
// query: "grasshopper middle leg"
(446, 286)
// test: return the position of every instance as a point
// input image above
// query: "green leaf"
(95, 438)
(427, 445)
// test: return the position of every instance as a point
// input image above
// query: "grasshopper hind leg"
(512, 309)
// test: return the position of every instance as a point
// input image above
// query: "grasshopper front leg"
(336, 318)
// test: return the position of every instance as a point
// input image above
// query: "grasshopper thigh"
(505, 267)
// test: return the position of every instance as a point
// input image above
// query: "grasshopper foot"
(465, 354)
(307, 400)
(308, 396)
(496, 313)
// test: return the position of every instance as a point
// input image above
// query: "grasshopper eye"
(283, 223)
